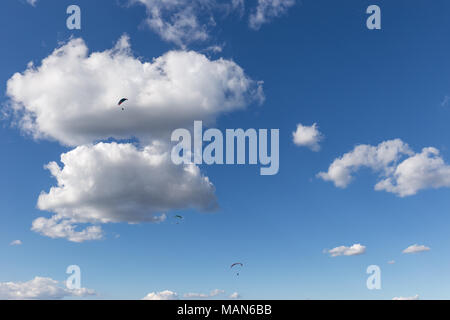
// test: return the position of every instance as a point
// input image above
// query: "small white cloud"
(163, 295)
(16, 243)
(354, 250)
(267, 10)
(415, 248)
(214, 49)
(32, 2)
(446, 101)
(307, 136)
(416, 297)
(212, 294)
(40, 289)
(235, 295)
(192, 295)
(391, 262)
(216, 292)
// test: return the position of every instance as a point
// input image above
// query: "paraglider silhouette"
(235, 265)
(122, 101)
(179, 218)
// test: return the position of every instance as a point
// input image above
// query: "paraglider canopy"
(179, 218)
(236, 265)
(122, 101)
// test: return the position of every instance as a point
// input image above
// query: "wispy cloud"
(415, 248)
(416, 297)
(235, 295)
(446, 101)
(16, 243)
(267, 10)
(212, 294)
(186, 21)
(32, 2)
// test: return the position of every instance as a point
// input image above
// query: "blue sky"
(319, 64)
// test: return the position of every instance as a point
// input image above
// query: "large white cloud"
(163, 295)
(40, 288)
(267, 10)
(72, 96)
(402, 171)
(354, 250)
(111, 182)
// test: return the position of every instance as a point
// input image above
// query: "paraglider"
(122, 101)
(179, 218)
(237, 264)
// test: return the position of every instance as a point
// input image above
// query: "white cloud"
(212, 294)
(354, 250)
(216, 292)
(163, 295)
(391, 262)
(16, 243)
(307, 136)
(178, 21)
(234, 295)
(267, 10)
(32, 2)
(170, 295)
(422, 171)
(39, 289)
(379, 158)
(415, 248)
(184, 21)
(416, 297)
(59, 227)
(402, 177)
(191, 295)
(445, 102)
(110, 182)
(72, 96)
(214, 49)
